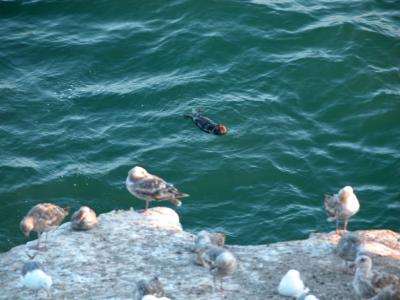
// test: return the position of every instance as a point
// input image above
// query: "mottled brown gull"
(148, 187)
(349, 247)
(219, 261)
(83, 219)
(42, 217)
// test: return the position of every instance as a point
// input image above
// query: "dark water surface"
(310, 91)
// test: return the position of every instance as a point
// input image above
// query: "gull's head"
(27, 225)
(345, 192)
(363, 262)
(138, 173)
(88, 214)
(293, 274)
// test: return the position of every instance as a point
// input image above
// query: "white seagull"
(148, 187)
(33, 277)
(291, 285)
(342, 205)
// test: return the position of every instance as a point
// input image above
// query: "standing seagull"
(349, 247)
(366, 283)
(220, 262)
(43, 217)
(341, 206)
(148, 187)
(33, 277)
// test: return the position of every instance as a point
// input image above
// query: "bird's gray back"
(30, 266)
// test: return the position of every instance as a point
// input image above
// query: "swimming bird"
(43, 217)
(205, 239)
(148, 187)
(83, 219)
(219, 261)
(342, 205)
(291, 285)
(367, 283)
(152, 287)
(349, 247)
(205, 124)
(33, 277)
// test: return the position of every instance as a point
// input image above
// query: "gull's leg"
(37, 246)
(346, 221)
(215, 283)
(146, 212)
(38, 240)
(337, 224)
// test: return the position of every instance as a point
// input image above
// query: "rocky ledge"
(125, 247)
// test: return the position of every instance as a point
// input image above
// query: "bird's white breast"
(352, 205)
(36, 279)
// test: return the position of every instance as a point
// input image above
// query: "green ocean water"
(310, 92)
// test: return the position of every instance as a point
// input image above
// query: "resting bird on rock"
(205, 239)
(391, 292)
(152, 288)
(33, 277)
(342, 205)
(148, 187)
(83, 219)
(366, 283)
(349, 247)
(42, 217)
(205, 124)
(220, 262)
(291, 285)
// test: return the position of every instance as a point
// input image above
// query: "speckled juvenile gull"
(83, 219)
(349, 247)
(33, 277)
(205, 239)
(148, 187)
(391, 292)
(291, 285)
(367, 283)
(342, 205)
(42, 217)
(219, 261)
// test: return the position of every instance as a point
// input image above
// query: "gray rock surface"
(125, 247)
